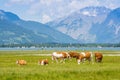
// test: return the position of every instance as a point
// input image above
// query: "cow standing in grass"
(98, 57)
(21, 62)
(73, 54)
(43, 62)
(84, 56)
(60, 55)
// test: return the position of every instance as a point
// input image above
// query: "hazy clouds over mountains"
(87, 25)
(91, 25)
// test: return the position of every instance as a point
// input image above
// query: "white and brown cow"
(43, 62)
(84, 56)
(60, 55)
(21, 62)
(98, 57)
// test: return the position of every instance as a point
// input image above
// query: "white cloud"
(37, 9)
(34, 8)
(47, 2)
(45, 18)
(19, 2)
(60, 8)
(110, 3)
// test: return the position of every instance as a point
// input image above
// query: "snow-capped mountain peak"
(94, 11)
(87, 13)
(78, 24)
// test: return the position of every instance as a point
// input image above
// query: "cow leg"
(78, 61)
(83, 60)
(53, 58)
(56, 60)
(70, 58)
(62, 60)
(95, 59)
(100, 60)
(89, 59)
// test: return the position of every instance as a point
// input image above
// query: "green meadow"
(109, 69)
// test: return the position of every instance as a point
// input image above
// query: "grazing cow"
(60, 55)
(84, 56)
(21, 62)
(43, 62)
(73, 54)
(98, 57)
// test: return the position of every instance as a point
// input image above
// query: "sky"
(48, 10)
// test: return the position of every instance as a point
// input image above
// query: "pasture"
(109, 69)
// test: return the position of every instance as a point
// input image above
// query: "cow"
(84, 56)
(43, 62)
(98, 57)
(60, 55)
(21, 62)
(73, 54)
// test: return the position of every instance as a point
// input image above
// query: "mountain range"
(91, 25)
(109, 30)
(14, 30)
(87, 25)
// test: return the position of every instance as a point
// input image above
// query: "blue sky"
(47, 10)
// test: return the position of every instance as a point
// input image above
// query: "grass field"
(109, 69)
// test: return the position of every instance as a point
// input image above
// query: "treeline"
(61, 45)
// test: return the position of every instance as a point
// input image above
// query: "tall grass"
(109, 69)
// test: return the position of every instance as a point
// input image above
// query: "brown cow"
(84, 56)
(21, 62)
(98, 57)
(73, 54)
(43, 62)
(60, 55)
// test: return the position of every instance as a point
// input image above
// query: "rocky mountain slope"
(78, 24)
(14, 30)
